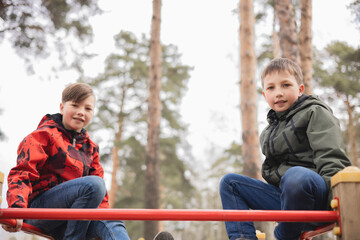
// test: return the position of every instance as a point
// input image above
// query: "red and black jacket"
(49, 156)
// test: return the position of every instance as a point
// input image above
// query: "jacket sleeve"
(96, 169)
(31, 156)
(327, 143)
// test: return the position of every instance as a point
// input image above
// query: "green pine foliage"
(122, 91)
(340, 73)
(230, 161)
(28, 22)
(36, 28)
(355, 10)
(345, 74)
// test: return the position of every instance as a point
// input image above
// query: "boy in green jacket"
(303, 147)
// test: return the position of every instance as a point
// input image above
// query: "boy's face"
(77, 115)
(281, 90)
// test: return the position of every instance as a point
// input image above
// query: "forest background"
(204, 137)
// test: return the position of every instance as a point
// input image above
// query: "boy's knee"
(296, 180)
(227, 181)
(224, 182)
(96, 185)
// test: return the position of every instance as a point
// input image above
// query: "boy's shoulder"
(306, 104)
(306, 108)
(311, 103)
(314, 111)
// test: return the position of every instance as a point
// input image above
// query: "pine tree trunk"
(352, 134)
(306, 44)
(114, 186)
(154, 115)
(275, 38)
(288, 34)
(248, 92)
(114, 153)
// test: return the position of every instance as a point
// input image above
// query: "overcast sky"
(206, 32)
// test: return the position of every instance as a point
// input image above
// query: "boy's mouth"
(280, 102)
(79, 119)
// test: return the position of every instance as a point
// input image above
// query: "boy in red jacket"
(58, 167)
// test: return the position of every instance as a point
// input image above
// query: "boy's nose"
(81, 112)
(279, 92)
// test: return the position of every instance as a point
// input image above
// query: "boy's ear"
(301, 89)
(61, 108)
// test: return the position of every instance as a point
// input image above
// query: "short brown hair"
(77, 92)
(282, 65)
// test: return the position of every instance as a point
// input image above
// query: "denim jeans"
(84, 192)
(300, 189)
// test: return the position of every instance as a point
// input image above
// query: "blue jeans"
(300, 189)
(84, 192)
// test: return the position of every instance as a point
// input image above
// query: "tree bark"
(352, 134)
(306, 44)
(288, 34)
(248, 105)
(114, 186)
(275, 38)
(248, 94)
(154, 114)
(114, 153)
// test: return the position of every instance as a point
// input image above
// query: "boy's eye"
(74, 105)
(270, 88)
(89, 109)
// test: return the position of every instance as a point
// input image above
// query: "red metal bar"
(26, 228)
(318, 231)
(168, 214)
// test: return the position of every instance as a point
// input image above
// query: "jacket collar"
(273, 117)
(55, 121)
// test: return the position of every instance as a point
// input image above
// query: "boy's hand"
(16, 228)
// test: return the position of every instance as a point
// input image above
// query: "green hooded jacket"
(308, 135)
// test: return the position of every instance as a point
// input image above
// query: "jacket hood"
(303, 102)
(55, 121)
(49, 156)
